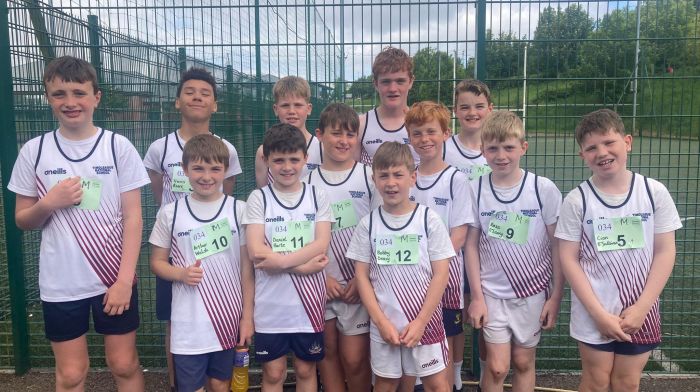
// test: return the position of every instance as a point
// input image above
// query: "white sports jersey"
(205, 318)
(456, 154)
(355, 189)
(164, 156)
(314, 159)
(510, 270)
(617, 277)
(445, 193)
(285, 302)
(401, 289)
(375, 134)
(81, 247)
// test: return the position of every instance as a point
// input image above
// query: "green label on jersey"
(395, 249)
(618, 233)
(92, 192)
(477, 171)
(509, 226)
(291, 236)
(211, 238)
(344, 214)
(181, 183)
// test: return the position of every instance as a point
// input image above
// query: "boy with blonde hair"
(292, 95)
(199, 245)
(514, 273)
(444, 190)
(402, 276)
(617, 247)
(80, 185)
(392, 75)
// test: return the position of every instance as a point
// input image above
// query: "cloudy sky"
(312, 41)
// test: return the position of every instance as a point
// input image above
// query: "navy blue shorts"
(191, 371)
(68, 320)
(164, 298)
(623, 348)
(452, 320)
(305, 346)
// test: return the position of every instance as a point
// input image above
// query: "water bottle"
(239, 379)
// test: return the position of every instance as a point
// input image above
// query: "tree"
(434, 71)
(503, 56)
(558, 39)
(362, 88)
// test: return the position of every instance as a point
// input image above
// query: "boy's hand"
(66, 193)
(193, 274)
(117, 298)
(333, 289)
(412, 334)
(609, 326)
(478, 315)
(352, 294)
(548, 317)
(317, 264)
(632, 319)
(268, 261)
(389, 333)
(245, 332)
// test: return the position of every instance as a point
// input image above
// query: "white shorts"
(516, 320)
(395, 361)
(351, 319)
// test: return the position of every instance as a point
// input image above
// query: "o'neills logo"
(183, 234)
(176, 164)
(375, 141)
(60, 170)
(363, 325)
(275, 219)
(429, 364)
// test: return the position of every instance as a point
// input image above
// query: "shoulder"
(229, 145)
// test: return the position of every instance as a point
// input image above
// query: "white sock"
(482, 366)
(418, 381)
(458, 374)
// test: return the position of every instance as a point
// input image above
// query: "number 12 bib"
(397, 249)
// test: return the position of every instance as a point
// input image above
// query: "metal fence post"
(480, 40)
(13, 236)
(96, 60)
(182, 60)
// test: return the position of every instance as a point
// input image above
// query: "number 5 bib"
(509, 226)
(618, 233)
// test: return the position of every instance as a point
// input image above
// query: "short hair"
(599, 121)
(207, 148)
(71, 69)
(291, 85)
(195, 73)
(502, 125)
(283, 138)
(425, 111)
(475, 87)
(340, 115)
(391, 154)
(391, 60)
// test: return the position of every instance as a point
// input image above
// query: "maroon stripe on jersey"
(270, 180)
(312, 293)
(452, 299)
(41, 189)
(221, 299)
(176, 254)
(89, 249)
(365, 157)
(340, 240)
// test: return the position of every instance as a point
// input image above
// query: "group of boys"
(352, 252)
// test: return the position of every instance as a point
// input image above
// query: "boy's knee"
(124, 367)
(72, 375)
(275, 375)
(595, 381)
(624, 383)
(523, 364)
(498, 370)
(305, 370)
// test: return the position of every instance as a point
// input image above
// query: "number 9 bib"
(211, 238)
(509, 226)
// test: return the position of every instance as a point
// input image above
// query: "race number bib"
(509, 226)
(618, 233)
(477, 171)
(181, 183)
(291, 236)
(344, 214)
(92, 192)
(211, 238)
(397, 249)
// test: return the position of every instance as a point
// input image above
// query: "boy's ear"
(98, 97)
(318, 133)
(628, 142)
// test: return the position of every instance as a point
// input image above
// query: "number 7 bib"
(211, 238)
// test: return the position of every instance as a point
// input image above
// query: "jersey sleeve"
(439, 243)
(359, 248)
(161, 235)
(240, 211)
(551, 200)
(23, 178)
(255, 209)
(154, 156)
(234, 165)
(666, 217)
(324, 213)
(132, 173)
(570, 223)
(473, 189)
(461, 212)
